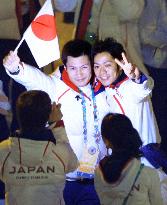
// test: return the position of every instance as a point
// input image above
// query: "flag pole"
(21, 41)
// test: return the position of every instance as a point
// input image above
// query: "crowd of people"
(84, 131)
(86, 96)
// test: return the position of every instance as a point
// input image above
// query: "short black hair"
(76, 48)
(33, 109)
(109, 45)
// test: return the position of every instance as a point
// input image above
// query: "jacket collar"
(65, 78)
(36, 135)
(121, 78)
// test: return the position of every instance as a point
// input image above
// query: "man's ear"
(65, 68)
(108, 144)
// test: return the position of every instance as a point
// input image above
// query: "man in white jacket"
(82, 109)
(127, 89)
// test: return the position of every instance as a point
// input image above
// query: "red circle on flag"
(44, 27)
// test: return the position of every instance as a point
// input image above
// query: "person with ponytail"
(121, 178)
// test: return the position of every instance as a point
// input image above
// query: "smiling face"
(105, 68)
(79, 70)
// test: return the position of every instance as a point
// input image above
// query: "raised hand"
(11, 62)
(55, 115)
(129, 69)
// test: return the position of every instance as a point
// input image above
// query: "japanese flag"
(41, 36)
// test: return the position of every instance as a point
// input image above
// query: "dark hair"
(108, 45)
(125, 141)
(33, 109)
(76, 48)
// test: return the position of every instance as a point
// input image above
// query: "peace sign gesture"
(129, 69)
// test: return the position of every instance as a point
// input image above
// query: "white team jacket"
(71, 107)
(133, 100)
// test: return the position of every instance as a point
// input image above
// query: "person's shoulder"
(5, 147)
(5, 144)
(146, 170)
(57, 72)
(150, 171)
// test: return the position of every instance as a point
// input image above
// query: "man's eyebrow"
(75, 66)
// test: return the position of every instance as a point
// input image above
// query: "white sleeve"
(64, 150)
(155, 190)
(139, 91)
(60, 134)
(34, 79)
(163, 181)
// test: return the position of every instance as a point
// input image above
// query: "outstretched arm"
(30, 77)
(55, 117)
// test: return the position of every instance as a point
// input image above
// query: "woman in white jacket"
(120, 178)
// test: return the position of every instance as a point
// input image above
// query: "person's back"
(143, 191)
(34, 160)
(33, 172)
(120, 178)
